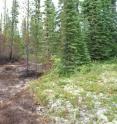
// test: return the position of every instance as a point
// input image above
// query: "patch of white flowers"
(101, 115)
(108, 77)
(73, 89)
(63, 112)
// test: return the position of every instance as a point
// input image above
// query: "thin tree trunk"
(27, 40)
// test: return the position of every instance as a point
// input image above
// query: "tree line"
(77, 32)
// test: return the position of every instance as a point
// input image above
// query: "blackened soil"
(17, 105)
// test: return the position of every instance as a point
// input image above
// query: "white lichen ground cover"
(88, 97)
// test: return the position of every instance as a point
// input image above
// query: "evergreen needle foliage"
(75, 33)
(75, 51)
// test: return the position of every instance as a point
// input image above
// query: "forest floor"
(17, 104)
(87, 97)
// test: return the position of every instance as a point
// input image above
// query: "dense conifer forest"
(76, 32)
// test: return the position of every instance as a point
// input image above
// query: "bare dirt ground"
(17, 105)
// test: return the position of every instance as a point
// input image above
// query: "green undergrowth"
(87, 97)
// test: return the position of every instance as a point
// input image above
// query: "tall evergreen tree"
(113, 5)
(7, 28)
(1, 24)
(82, 55)
(4, 26)
(36, 30)
(100, 28)
(1, 36)
(14, 22)
(114, 27)
(49, 27)
(74, 48)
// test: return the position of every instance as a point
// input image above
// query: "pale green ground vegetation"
(87, 97)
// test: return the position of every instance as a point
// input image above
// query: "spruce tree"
(36, 30)
(7, 29)
(1, 37)
(74, 48)
(114, 28)
(100, 28)
(113, 5)
(59, 26)
(49, 28)
(14, 22)
(82, 55)
(1, 24)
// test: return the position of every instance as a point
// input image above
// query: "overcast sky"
(21, 4)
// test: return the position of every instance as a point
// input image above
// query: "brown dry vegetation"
(17, 105)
